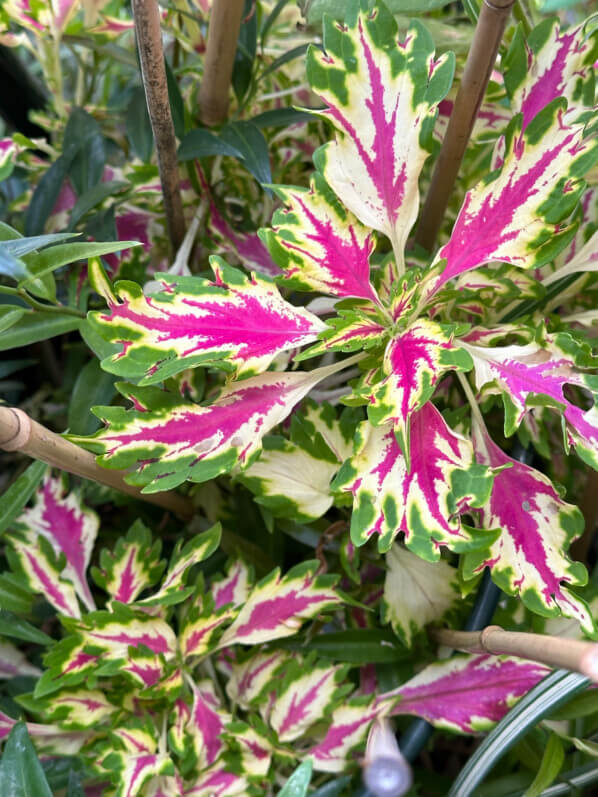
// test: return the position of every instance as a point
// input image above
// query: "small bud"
(386, 772)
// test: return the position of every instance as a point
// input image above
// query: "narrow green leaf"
(13, 596)
(283, 59)
(21, 774)
(333, 788)
(139, 129)
(19, 492)
(271, 19)
(177, 108)
(281, 117)
(298, 783)
(581, 706)
(93, 387)
(543, 699)
(359, 646)
(9, 315)
(12, 626)
(34, 326)
(94, 197)
(45, 195)
(201, 143)
(249, 140)
(58, 256)
(552, 761)
(246, 49)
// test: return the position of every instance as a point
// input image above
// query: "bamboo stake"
(153, 73)
(19, 432)
(570, 654)
(478, 68)
(223, 33)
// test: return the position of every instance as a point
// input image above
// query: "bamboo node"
(18, 427)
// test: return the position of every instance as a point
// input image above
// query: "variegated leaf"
(304, 699)
(14, 663)
(552, 63)
(78, 709)
(199, 630)
(34, 557)
(217, 782)
(133, 565)
(70, 528)
(252, 676)
(170, 444)
(235, 322)
(347, 731)
(253, 748)
(321, 246)
(416, 592)
(233, 587)
(205, 725)
(132, 772)
(425, 501)
(278, 606)
(516, 216)
(529, 557)
(49, 739)
(536, 375)
(184, 557)
(352, 329)
(413, 363)
(382, 94)
(467, 693)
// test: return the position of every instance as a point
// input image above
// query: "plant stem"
(475, 410)
(153, 72)
(19, 432)
(569, 654)
(35, 305)
(478, 68)
(223, 33)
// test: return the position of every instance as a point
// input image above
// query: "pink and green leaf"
(277, 607)
(536, 375)
(467, 693)
(413, 363)
(529, 557)
(320, 245)
(252, 677)
(381, 95)
(70, 528)
(347, 731)
(425, 501)
(78, 709)
(169, 444)
(217, 781)
(517, 215)
(205, 725)
(235, 322)
(133, 565)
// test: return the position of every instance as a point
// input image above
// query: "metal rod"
(151, 55)
(478, 68)
(19, 432)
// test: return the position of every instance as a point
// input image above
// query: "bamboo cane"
(478, 68)
(570, 654)
(151, 55)
(19, 432)
(223, 32)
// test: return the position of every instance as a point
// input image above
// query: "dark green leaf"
(543, 699)
(19, 492)
(74, 787)
(290, 55)
(83, 136)
(95, 196)
(271, 18)
(139, 129)
(45, 195)
(12, 250)
(21, 774)
(177, 107)
(337, 8)
(12, 626)
(298, 783)
(93, 387)
(249, 140)
(359, 646)
(333, 788)
(201, 143)
(13, 597)
(281, 117)
(34, 326)
(246, 49)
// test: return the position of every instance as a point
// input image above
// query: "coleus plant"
(185, 685)
(415, 333)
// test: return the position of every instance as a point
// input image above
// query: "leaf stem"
(475, 410)
(35, 305)
(570, 654)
